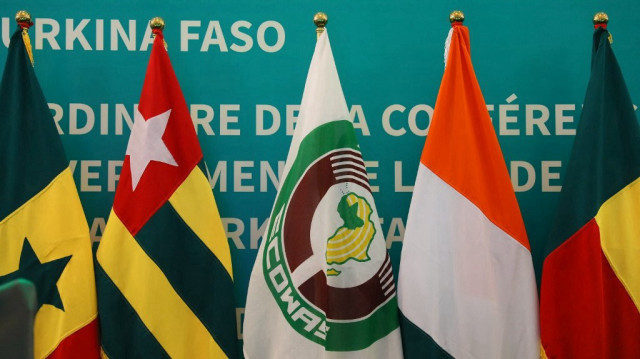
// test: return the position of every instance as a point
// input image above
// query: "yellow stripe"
(342, 236)
(543, 354)
(55, 225)
(145, 287)
(195, 204)
(360, 252)
(358, 243)
(620, 236)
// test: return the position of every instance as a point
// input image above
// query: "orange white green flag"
(466, 287)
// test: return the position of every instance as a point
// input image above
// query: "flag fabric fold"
(590, 290)
(164, 273)
(466, 287)
(44, 236)
(322, 285)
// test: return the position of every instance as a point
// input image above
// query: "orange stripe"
(81, 344)
(462, 147)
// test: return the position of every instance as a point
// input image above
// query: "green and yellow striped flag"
(165, 283)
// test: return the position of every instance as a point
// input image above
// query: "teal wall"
(529, 57)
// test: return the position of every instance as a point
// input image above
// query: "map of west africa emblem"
(352, 240)
(325, 260)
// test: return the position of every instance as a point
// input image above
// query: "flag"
(590, 290)
(466, 287)
(44, 236)
(322, 285)
(164, 275)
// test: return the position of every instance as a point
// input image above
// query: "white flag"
(322, 285)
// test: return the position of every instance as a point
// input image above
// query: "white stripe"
(386, 265)
(463, 280)
(351, 170)
(387, 282)
(390, 290)
(354, 178)
(306, 270)
(360, 165)
(353, 155)
(385, 276)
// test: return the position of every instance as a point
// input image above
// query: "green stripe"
(122, 333)
(32, 153)
(606, 152)
(359, 334)
(194, 272)
(418, 344)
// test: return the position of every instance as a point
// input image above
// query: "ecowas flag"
(322, 285)
(165, 285)
(466, 287)
(44, 235)
(590, 291)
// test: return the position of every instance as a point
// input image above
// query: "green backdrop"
(242, 67)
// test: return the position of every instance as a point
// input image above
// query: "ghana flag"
(322, 285)
(165, 286)
(44, 235)
(590, 291)
(466, 287)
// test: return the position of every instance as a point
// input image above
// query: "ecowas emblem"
(325, 259)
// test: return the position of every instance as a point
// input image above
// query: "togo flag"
(590, 291)
(44, 235)
(322, 285)
(164, 276)
(466, 287)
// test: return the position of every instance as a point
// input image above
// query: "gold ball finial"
(23, 16)
(320, 19)
(456, 16)
(157, 23)
(600, 18)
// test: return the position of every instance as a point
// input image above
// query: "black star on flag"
(43, 275)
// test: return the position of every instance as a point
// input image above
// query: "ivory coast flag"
(44, 235)
(322, 285)
(590, 291)
(466, 287)
(165, 286)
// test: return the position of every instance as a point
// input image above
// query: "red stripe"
(585, 312)
(84, 343)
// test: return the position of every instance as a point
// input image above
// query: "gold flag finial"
(456, 16)
(23, 18)
(320, 19)
(157, 25)
(600, 18)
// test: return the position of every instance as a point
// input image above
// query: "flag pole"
(157, 25)
(320, 19)
(23, 18)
